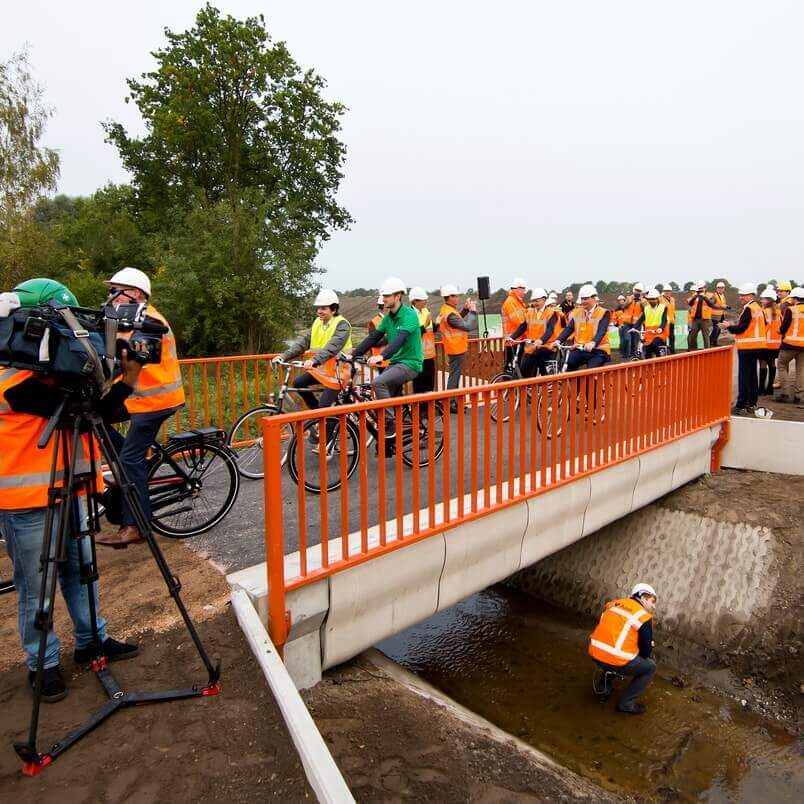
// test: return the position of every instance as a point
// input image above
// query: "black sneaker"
(735, 411)
(634, 709)
(53, 687)
(113, 650)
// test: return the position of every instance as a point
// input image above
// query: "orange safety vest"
(24, 468)
(375, 324)
(706, 310)
(585, 331)
(773, 320)
(754, 336)
(428, 336)
(614, 640)
(632, 311)
(456, 341)
(670, 304)
(720, 300)
(795, 332)
(513, 314)
(160, 385)
(537, 321)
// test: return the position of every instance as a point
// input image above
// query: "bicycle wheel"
(245, 441)
(6, 570)
(310, 459)
(551, 398)
(192, 488)
(416, 446)
(498, 403)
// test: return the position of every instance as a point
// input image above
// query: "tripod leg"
(144, 526)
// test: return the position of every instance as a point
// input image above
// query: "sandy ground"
(390, 744)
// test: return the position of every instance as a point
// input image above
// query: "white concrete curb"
(319, 766)
(765, 445)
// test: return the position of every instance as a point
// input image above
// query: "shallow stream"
(523, 665)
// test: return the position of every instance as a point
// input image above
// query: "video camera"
(77, 345)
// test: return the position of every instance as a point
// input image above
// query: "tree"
(674, 286)
(27, 170)
(688, 286)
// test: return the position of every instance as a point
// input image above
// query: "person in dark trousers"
(719, 307)
(589, 326)
(425, 382)
(791, 330)
(699, 317)
(454, 328)
(670, 303)
(622, 643)
(749, 331)
(653, 322)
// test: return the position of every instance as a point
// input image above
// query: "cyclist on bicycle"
(401, 331)
(589, 325)
(541, 325)
(654, 325)
(330, 334)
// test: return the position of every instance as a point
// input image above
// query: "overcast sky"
(560, 140)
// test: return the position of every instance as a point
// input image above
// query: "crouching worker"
(330, 334)
(622, 643)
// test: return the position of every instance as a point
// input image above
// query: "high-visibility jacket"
(616, 316)
(160, 385)
(795, 333)
(428, 336)
(24, 468)
(614, 640)
(773, 320)
(706, 311)
(456, 341)
(632, 310)
(585, 331)
(377, 350)
(718, 299)
(537, 321)
(754, 336)
(513, 314)
(653, 322)
(670, 304)
(320, 335)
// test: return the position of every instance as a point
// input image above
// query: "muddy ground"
(390, 744)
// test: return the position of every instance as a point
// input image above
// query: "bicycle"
(193, 483)
(639, 353)
(245, 436)
(339, 442)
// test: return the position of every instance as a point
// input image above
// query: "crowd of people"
(768, 331)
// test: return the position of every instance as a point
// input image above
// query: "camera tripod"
(77, 429)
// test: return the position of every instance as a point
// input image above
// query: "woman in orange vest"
(159, 394)
(792, 332)
(425, 382)
(773, 339)
(27, 401)
(622, 643)
(749, 331)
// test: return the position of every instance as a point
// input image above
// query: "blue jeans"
(132, 450)
(23, 531)
(580, 359)
(626, 349)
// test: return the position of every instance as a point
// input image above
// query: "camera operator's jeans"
(23, 531)
(132, 450)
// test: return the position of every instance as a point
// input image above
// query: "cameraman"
(27, 401)
(160, 393)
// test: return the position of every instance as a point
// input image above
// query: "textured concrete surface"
(710, 575)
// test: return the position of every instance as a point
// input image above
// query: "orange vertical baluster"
(416, 470)
(301, 498)
(323, 500)
(461, 458)
(343, 434)
(446, 481)
(205, 387)
(475, 427)
(274, 535)
(381, 470)
(364, 483)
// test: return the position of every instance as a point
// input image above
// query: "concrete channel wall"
(336, 618)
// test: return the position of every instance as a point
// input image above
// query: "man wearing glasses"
(159, 393)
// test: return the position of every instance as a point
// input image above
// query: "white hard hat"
(131, 278)
(538, 293)
(665, 288)
(392, 285)
(621, 297)
(325, 298)
(518, 282)
(748, 289)
(643, 589)
(768, 293)
(587, 291)
(418, 294)
(638, 286)
(449, 290)
(700, 285)
(653, 293)
(380, 299)
(797, 292)
(721, 284)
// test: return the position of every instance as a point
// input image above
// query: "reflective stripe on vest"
(670, 304)
(720, 300)
(160, 386)
(428, 336)
(653, 322)
(614, 640)
(456, 341)
(320, 336)
(706, 310)
(513, 314)
(754, 336)
(586, 331)
(773, 338)
(795, 332)
(537, 321)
